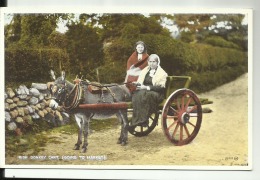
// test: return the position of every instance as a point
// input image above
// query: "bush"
(24, 65)
(178, 58)
(205, 81)
(221, 42)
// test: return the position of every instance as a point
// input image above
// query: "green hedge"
(179, 58)
(33, 65)
(205, 81)
(221, 42)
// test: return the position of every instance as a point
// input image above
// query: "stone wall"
(25, 106)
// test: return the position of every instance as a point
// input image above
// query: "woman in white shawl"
(149, 92)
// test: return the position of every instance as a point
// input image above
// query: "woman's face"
(152, 63)
(140, 48)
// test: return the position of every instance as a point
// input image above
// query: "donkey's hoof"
(119, 141)
(84, 150)
(123, 143)
(76, 147)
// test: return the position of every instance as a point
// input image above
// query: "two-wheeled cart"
(181, 113)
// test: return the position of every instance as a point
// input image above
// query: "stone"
(39, 86)
(26, 110)
(39, 106)
(33, 100)
(7, 117)
(35, 116)
(34, 92)
(22, 92)
(16, 99)
(10, 101)
(22, 103)
(45, 111)
(20, 111)
(41, 97)
(11, 126)
(48, 109)
(41, 114)
(14, 114)
(19, 120)
(58, 114)
(7, 107)
(10, 93)
(12, 106)
(30, 109)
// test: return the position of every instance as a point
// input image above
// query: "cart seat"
(173, 83)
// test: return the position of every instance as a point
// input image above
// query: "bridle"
(58, 91)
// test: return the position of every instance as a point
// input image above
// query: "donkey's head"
(58, 87)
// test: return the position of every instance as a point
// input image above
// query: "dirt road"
(222, 140)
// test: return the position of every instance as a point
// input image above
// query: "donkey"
(62, 92)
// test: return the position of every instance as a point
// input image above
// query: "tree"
(84, 48)
(32, 30)
(198, 27)
(13, 30)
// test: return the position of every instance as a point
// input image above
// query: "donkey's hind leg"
(79, 122)
(122, 116)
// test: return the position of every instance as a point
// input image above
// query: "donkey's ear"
(62, 75)
(52, 74)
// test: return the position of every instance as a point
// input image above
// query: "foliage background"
(97, 46)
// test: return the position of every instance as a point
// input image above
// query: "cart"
(181, 113)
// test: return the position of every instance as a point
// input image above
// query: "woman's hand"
(142, 87)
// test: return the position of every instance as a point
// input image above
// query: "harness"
(76, 96)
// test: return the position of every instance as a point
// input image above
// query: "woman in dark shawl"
(149, 92)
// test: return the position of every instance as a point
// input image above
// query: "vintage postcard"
(127, 88)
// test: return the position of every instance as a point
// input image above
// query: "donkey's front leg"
(79, 122)
(79, 142)
(122, 116)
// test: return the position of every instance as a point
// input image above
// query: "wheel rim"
(182, 117)
(140, 131)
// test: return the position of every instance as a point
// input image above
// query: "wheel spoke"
(175, 130)
(178, 104)
(192, 109)
(171, 125)
(188, 102)
(193, 114)
(192, 124)
(171, 117)
(173, 109)
(151, 118)
(186, 130)
(181, 133)
(182, 102)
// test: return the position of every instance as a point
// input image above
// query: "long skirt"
(144, 104)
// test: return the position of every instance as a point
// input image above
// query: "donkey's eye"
(60, 90)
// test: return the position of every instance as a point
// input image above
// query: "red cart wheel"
(181, 117)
